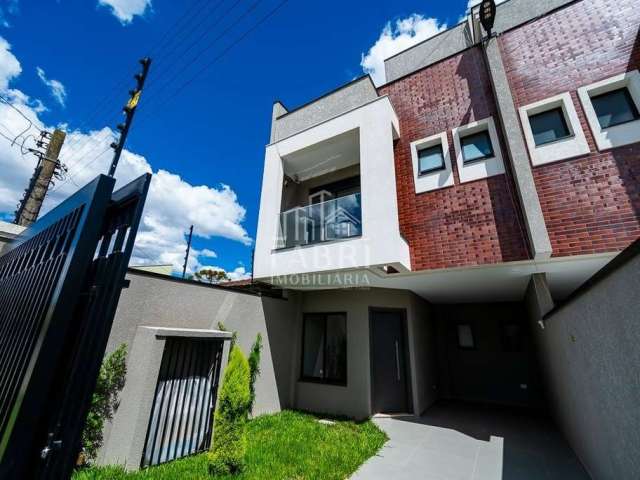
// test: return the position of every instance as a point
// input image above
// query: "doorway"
(390, 383)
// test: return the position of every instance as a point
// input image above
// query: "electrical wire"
(147, 111)
(31, 122)
(208, 65)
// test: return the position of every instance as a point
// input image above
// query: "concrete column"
(538, 297)
(521, 167)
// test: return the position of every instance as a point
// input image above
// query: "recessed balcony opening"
(321, 199)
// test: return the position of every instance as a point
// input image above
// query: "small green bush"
(254, 369)
(234, 336)
(227, 455)
(104, 402)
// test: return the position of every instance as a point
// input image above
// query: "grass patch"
(285, 446)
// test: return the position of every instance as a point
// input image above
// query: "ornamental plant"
(254, 369)
(227, 454)
(104, 402)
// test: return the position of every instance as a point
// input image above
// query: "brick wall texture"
(591, 204)
(473, 223)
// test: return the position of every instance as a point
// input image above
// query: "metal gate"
(182, 412)
(60, 283)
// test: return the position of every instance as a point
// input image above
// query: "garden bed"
(285, 446)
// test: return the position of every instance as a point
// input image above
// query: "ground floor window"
(324, 348)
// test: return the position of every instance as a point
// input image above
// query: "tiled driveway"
(459, 441)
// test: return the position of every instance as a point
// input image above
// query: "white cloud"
(172, 205)
(10, 7)
(126, 10)
(396, 37)
(57, 88)
(9, 65)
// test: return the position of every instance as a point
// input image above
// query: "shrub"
(234, 336)
(254, 369)
(104, 402)
(229, 438)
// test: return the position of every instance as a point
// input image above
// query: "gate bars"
(60, 283)
(182, 412)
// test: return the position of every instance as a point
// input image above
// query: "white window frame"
(436, 179)
(618, 135)
(562, 149)
(483, 168)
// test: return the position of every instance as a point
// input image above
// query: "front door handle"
(397, 361)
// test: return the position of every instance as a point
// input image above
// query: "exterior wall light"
(488, 15)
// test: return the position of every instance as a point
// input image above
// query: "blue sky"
(71, 53)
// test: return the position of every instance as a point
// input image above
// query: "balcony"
(335, 219)
(329, 201)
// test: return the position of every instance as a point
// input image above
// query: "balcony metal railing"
(334, 219)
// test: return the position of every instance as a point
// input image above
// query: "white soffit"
(487, 283)
(332, 154)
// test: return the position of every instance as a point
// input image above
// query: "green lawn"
(285, 446)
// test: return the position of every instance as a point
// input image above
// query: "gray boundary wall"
(590, 353)
(152, 301)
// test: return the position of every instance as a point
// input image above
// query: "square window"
(465, 336)
(476, 146)
(549, 126)
(431, 159)
(324, 348)
(614, 108)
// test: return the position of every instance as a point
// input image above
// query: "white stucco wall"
(380, 242)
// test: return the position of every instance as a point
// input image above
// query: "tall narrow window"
(465, 336)
(615, 108)
(430, 159)
(476, 146)
(324, 348)
(549, 126)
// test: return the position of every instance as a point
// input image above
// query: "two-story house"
(408, 218)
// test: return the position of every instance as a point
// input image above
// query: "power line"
(189, 14)
(101, 104)
(162, 101)
(226, 50)
(31, 122)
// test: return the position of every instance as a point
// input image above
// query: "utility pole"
(47, 167)
(129, 110)
(186, 257)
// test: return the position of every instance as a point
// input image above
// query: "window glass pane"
(430, 158)
(465, 336)
(549, 126)
(313, 346)
(476, 146)
(614, 108)
(336, 352)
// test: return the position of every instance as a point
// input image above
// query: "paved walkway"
(455, 441)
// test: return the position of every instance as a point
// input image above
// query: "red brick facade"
(591, 204)
(472, 223)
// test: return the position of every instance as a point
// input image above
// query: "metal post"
(186, 257)
(129, 110)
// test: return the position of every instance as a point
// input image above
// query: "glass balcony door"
(334, 219)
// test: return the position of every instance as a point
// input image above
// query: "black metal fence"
(60, 283)
(182, 411)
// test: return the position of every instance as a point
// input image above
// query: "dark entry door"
(388, 361)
